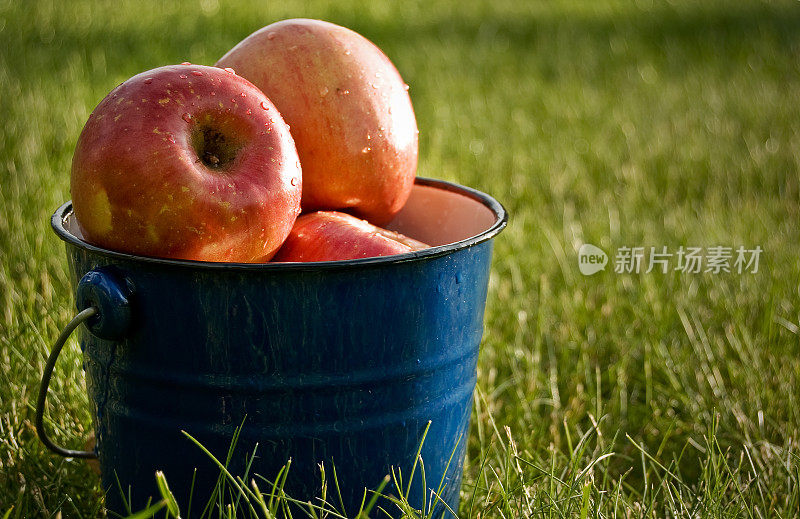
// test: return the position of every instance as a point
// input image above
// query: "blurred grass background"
(617, 123)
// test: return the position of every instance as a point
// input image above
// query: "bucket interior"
(439, 216)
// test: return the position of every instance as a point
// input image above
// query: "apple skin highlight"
(348, 109)
(187, 162)
(335, 236)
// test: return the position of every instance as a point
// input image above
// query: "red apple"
(348, 109)
(331, 236)
(187, 162)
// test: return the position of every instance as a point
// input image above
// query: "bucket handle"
(82, 316)
(104, 300)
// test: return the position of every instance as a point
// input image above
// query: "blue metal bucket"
(343, 364)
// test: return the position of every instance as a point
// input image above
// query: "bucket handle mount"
(104, 301)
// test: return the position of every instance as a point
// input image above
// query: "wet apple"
(333, 236)
(187, 162)
(348, 109)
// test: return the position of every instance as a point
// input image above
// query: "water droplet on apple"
(187, 117)
(183, 76)
(171, 139)
(185, 63)
(406, 87)
(197, 73)
(293, 181)
(342, 92)
(229, 70)
(243, 94)
(347, 52)
(366, 149)
(249, 112)
(264, 105)
(373, 85)
(271, 36)
(369, 137)
(233, 100)
(146, 82)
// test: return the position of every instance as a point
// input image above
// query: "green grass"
(616, 123)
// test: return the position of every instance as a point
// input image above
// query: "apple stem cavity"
(214, 149)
